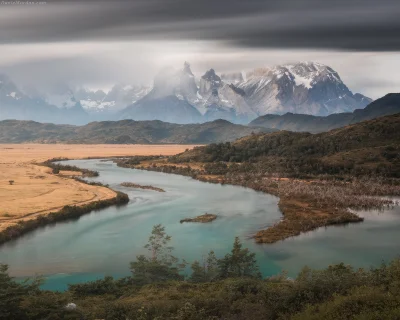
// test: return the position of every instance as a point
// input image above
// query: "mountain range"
(155, 131)
(178, 96)
(387, 105)
(308, 88)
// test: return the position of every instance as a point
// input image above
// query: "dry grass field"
(36, 191)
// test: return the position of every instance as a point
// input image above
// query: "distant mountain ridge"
(308, 88)
(59, 106)
(123, 132)
(387, 105)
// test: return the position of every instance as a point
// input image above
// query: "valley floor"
(28, 190)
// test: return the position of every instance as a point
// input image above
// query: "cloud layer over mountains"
(99, 43)
(368, 25)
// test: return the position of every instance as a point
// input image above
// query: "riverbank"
(305, 204)
(65, 214)
(29, 190)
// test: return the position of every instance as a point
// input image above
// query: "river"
(104, 242)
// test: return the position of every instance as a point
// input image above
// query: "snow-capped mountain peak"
(304, 87)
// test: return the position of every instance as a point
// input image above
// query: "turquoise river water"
(104, 242)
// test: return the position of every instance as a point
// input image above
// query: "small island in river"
(139, 186)
(207, 217)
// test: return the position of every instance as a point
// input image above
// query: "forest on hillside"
(367, 148)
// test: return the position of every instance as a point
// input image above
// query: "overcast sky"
(98, 43)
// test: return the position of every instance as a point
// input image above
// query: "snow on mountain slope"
(119, 97)
(306, 87)
(212, 97)
(62, 100)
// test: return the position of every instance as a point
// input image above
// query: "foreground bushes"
(225, 288)
(338, 292)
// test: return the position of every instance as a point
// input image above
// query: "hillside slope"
(387, 105)
(124, 132)
(370, 147)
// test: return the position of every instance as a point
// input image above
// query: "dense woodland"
(367, 148)
(228, 287)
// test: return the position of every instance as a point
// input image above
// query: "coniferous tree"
(198, 272)
(12, 293)
(239, 263)
(212, 266)
(161, 265)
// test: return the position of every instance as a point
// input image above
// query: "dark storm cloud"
(368, 25)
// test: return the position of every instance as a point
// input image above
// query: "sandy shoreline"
(36, 191)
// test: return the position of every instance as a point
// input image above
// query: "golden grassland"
(36, 191)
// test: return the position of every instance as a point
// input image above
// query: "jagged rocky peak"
(209, 81)
(170, 81)
(187, 84)
(210, 75)
(186, 69)
(233, 77)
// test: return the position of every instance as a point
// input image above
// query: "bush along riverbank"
(139, 186)
(57, 167)
(306, 204)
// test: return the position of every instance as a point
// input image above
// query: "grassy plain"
(36, 191)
